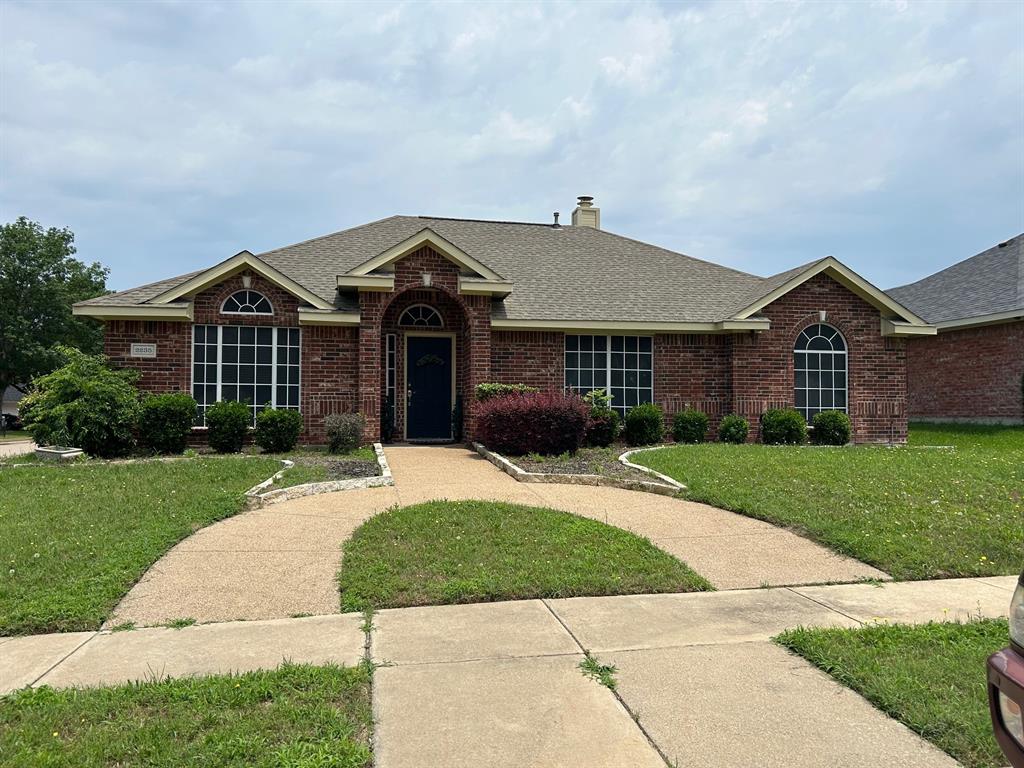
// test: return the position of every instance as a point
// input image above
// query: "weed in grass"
(126, 626)
(180, 623)
(602, 673)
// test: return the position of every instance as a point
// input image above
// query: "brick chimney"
(586, 215)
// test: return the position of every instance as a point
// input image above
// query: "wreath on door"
(429, 360)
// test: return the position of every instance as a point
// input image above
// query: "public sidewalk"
(498, 684)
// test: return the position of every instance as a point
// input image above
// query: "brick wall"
(693, 371)
(762, 363)
(170, 370)
(534, 358)
(970, 374)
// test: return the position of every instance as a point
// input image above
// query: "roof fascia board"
(896, 328)
(843, 275)
(226, 268)
(426, 236)
(324, 317)
(612, 326)
(367, 282)
(178, 311)
(974, 322)
(472, 287)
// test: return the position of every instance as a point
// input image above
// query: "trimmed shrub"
(277, 429)
(645, 424)
(344, 431)
(228, 423)
(488, 391)
(783, 426)
(831, 428)
(547, 423)
(166, 422)
(84, 404)
(733, 429)
(690, 426)
(603, 421)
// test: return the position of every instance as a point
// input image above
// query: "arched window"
(247, 303)
(819, 370)
(421, 316)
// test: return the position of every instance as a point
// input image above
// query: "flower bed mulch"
(586, 461)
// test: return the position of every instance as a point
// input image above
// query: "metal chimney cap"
(585, 201)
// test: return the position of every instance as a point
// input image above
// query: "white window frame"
(623, 409)
(247, 314)
(845, 389)
(439, 316)
(274, 330)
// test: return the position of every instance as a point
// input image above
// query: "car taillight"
(1017, 616)
(1010, 710)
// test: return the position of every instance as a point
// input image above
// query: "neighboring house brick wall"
(762, 363)
(969, 374)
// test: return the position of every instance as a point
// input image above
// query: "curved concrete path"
(280, 561)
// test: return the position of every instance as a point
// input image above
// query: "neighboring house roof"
(568, 273)
(987, 287)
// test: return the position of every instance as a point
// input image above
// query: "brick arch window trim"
(421, 316)
(820, 370)
(246, 302)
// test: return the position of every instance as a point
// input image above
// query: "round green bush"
(733, 429)
(690, 426)
(487, 390)
(166, 422)
(645, 424)
(228, 423)
(277, 430)
(783, 426)
(831, 428)
(84, 404)
(344, 431)
(602, 428)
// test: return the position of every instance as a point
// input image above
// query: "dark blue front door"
(428, 396)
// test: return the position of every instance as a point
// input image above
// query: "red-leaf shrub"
(544, 422)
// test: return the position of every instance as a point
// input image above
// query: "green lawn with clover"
(75, 538)
(916, 512)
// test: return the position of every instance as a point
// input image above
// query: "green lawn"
(296, 716)
(931, 677)
(74, 539)
(473, 551)
(14, 436)
(917, 513)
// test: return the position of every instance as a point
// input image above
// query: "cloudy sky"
(169, 136)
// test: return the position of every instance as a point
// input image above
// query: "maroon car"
(1006, 685)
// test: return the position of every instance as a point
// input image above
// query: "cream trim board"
(405, 374)
(236, 263)
(842, 275)
(896, 328)
(426, 236)
(327, 317)
(474, 287)
(974, 322)
(367, 282)
(179, 311)
(617, 327)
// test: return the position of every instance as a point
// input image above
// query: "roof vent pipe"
(556, 224)
(585, 214)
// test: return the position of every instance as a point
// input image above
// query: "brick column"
(371, 311)
(478, 344)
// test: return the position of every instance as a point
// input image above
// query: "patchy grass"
(474, 551)
(14, 436)
(74, 539)
(294, 716)
(930, 677)
(917, 513)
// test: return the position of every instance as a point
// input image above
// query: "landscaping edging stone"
(668, 486)
(258, 496)
(624, 459)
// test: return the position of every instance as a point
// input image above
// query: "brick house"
(401, 318)
(973, 369)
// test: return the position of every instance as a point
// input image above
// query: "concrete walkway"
(498, 684)
(281, 560)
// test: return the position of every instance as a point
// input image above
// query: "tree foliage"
(39, 281)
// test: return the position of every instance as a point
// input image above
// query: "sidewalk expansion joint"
(65, 657)
(824, 605)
